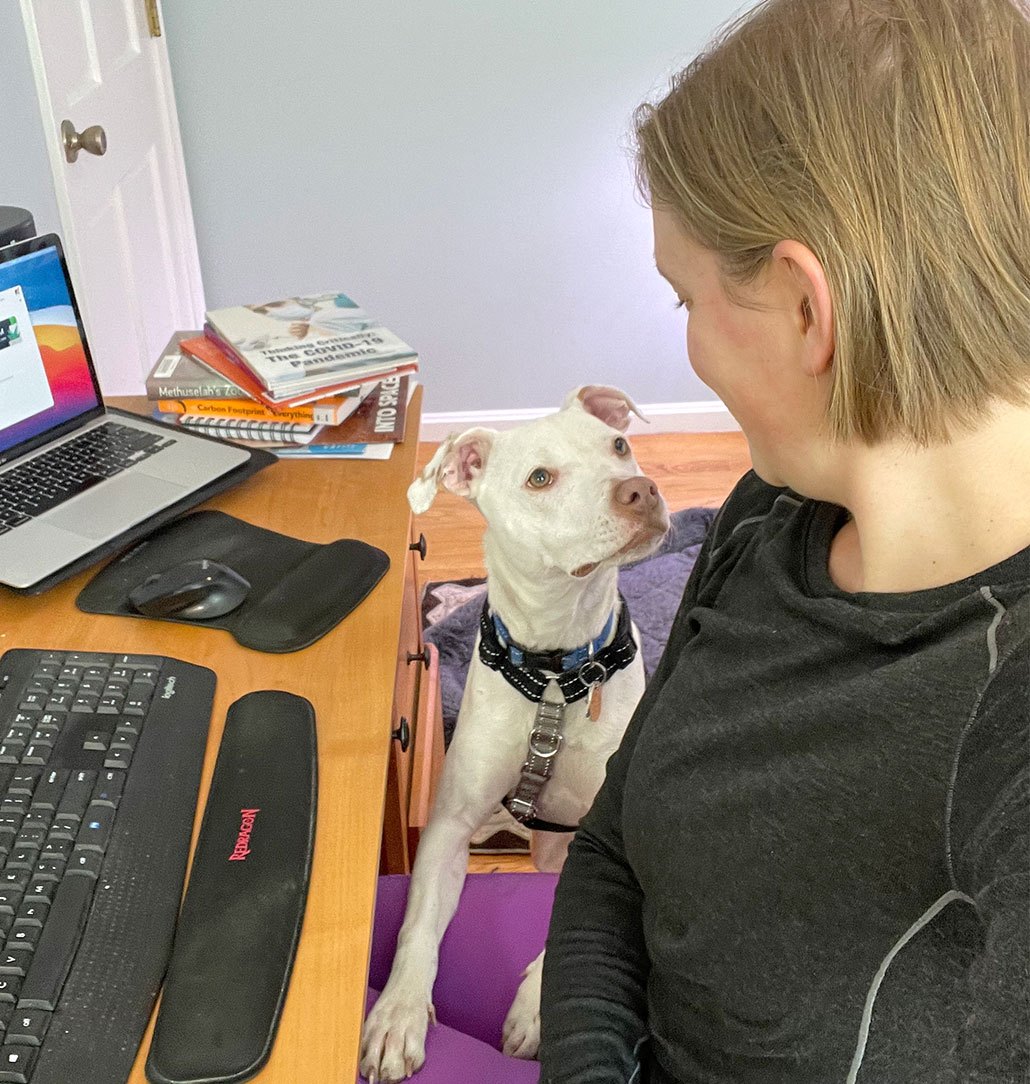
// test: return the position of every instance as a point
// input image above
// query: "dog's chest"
(499, 720)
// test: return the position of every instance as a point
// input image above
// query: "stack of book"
(302, 376)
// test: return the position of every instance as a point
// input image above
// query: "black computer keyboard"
(99, 770)
(53, 477)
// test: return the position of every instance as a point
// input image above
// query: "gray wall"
(459, 166)
(25, 177)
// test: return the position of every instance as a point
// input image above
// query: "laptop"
(72, 475)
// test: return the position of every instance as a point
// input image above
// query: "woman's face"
(746, 347)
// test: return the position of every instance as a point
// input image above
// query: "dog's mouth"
(644, 540)
(585, 570)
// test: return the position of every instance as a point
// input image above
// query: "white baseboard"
(705, 416)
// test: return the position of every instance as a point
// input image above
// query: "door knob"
(93, 140)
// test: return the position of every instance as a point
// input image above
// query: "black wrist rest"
(299, 590)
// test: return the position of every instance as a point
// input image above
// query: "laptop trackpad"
(107, 509)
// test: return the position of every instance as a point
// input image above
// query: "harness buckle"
(593, 672)
(520, 808)
(550, 741)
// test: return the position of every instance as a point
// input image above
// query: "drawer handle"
(421, 657)
(403, 734)
(420, 545)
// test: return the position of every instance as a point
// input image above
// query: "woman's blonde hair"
(892, 137)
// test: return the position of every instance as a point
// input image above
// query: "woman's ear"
(811, 301)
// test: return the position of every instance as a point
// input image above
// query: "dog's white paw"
(393, 1040)
(521, 1032)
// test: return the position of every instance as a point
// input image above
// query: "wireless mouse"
(194, 591)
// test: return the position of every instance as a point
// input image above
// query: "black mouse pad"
(299, 590)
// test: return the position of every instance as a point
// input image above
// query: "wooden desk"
(348, 676)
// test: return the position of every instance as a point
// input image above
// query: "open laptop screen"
(46, 379)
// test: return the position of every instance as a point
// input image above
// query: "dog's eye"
(621, 446)
(539, 478)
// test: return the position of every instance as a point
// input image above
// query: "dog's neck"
(546, 609)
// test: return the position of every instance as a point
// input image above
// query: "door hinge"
(153, 18)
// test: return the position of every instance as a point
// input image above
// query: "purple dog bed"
(652, 588)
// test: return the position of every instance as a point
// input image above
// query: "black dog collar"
(539, 668)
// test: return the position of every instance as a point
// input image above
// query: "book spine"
(157, 389)
(328, 449)
(238, 409)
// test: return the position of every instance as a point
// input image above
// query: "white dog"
(565, 504)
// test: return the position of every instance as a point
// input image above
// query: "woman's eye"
(540, 477)
(621, 446)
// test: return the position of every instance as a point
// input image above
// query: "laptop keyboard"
(53, 477)
(78, 730)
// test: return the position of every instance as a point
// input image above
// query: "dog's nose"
(638, 496)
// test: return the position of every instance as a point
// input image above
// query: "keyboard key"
(124, 739)
(49, 869)
(49, 790)
(95, 831)
(108, 790)
(15, 961)
(32, 914)
(87, 658)
(17, 1063)
(31, 835)
(84, 864)
(150, 662)
(56, 948)
(24, 936)
(40, 891)
(22, 858)
(77, 794)
(28, 1026)
(57, 847)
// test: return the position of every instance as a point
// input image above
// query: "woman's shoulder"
(990, 784)
(750, 501)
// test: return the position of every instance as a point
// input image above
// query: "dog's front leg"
(393, 1041)
(394, 1037)
(520, 1037)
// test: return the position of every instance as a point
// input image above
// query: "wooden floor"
(690, 470)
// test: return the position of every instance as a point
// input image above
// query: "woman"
(809, 860)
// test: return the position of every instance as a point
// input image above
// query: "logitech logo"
(242, 848)
(169, 689)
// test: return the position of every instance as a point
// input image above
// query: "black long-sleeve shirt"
(811, 853)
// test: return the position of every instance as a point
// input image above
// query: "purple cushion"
(498, 930)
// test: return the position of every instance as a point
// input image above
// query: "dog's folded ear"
(611, 405)
(458, 462)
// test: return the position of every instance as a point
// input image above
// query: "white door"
(126, 219)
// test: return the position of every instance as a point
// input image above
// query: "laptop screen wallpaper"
(44, 376)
